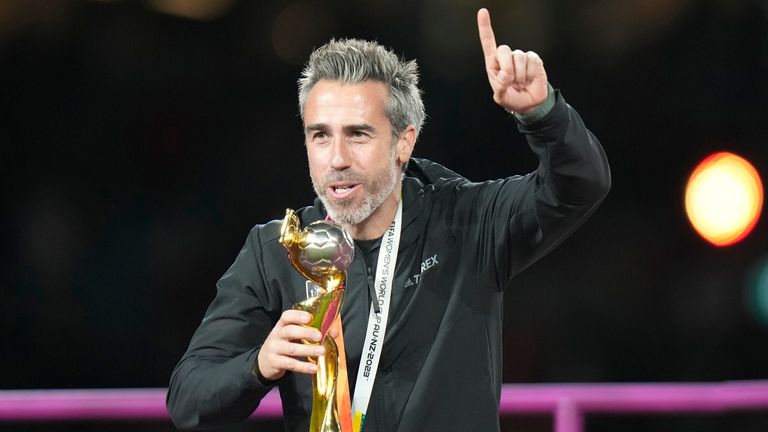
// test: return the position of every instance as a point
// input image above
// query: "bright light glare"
(724, 198)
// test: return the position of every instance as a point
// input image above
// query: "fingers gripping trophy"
(321, 253)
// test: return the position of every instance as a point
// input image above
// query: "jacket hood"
(428, 172)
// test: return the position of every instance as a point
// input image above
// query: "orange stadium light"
(724, 198)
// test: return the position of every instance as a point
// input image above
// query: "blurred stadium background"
(141, 140)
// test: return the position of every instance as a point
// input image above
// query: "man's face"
(353, 157)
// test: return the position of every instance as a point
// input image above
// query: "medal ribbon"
(377, 322)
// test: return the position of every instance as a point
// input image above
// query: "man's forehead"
(336, 102)
(367, 89)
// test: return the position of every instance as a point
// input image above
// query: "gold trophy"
(321, 253)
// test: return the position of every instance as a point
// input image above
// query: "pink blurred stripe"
(100, 404)
(566, 401)
(628, 398)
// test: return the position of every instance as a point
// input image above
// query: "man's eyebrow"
(315, 127)
(347, 129)
(359, 127)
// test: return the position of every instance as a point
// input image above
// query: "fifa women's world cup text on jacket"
(461, 244)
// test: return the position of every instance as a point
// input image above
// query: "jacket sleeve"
(213, 384)
(513, 222)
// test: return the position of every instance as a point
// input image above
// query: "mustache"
(343, 176)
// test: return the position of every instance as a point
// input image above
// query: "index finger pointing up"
(487, 39)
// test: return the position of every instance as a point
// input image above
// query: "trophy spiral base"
(325, 411)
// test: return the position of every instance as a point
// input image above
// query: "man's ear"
(405, 143)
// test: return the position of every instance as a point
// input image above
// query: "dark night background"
(140, 141)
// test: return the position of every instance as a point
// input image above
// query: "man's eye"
(319, 135)
(359, 134)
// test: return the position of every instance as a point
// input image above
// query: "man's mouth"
(342, 190)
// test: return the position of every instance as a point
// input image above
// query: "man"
(460, 243)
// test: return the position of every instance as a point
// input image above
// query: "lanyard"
(377, 322)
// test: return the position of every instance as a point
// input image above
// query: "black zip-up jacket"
(461, 244)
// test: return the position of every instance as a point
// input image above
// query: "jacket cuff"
(557, 114)
(254, 378)
(540, 111)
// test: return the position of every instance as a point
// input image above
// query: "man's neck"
(377, 223)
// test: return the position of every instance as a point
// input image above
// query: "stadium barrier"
(567, 403)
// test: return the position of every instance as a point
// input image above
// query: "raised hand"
(518, 78)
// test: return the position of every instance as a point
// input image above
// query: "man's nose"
(340, 159)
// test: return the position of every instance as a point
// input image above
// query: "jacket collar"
(413, 211)
(413, 205)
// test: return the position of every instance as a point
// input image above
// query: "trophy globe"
(321, 252)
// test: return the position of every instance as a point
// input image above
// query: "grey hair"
(355, 61)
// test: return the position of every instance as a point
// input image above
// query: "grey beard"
(345, 214)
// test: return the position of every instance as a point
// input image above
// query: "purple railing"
(568, 403)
